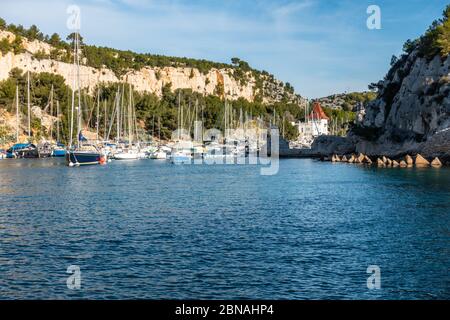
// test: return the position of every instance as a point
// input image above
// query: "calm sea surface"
(153, 230)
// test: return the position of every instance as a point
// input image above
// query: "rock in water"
(367, 160)
(384, 159)
(352, 159)
(388, 162)
(360, 158)
(395, 164)
(436, 163)
(344, 159)
(403, 164)
(409, 160)
(380, 163)
(421, 161)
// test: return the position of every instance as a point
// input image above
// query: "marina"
(229, 157)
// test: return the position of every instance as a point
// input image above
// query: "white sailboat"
(131, 151)
(182, 150)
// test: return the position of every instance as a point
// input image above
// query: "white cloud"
(291, 8)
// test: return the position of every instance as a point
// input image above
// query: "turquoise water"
(153, 230)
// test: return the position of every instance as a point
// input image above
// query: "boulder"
(337, 158)
(388, 162)
(380, 163)
(367, 160)
(352, 159)
(384, 159)
(436, 163)
(344, 159)
(395, 164)
(409, 160)
(421, 161)
(360, 158)
(403, 164)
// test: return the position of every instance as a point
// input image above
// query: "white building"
(316, 123)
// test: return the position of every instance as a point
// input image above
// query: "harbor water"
(153, 230)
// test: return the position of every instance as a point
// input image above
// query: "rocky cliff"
(412, 111)
(148, 79)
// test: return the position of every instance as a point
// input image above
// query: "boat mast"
(105, 120)
(57, 121)
(122, 112)
(179, 114)
(159, 131)
(129, 118)
(225, 122)
(118, 115)
(17, 113)
(134, 118)
(29, 106)
(98, 111)
(74, 84)
(153, 125)
(51, 113)
(77, 43)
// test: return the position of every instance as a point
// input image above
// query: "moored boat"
(128, 154)
(59, 151)
(84, 155)
(45, 150)
(23, 150)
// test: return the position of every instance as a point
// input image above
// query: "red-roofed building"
(316, 123)
(317, 113)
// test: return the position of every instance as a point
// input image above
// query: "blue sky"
(319, 46)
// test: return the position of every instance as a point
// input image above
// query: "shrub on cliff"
(443, 37)
(436, 39)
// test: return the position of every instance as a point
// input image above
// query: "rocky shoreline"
(407, 161)
(437, 146)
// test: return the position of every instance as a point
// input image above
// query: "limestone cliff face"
(411, 112)
(148, 79)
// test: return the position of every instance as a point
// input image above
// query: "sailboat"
(59, 150)
(23, 150)
(131, 151)
(182, 150)
(80, 153)
(162, 152)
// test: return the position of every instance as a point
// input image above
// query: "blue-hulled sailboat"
(81, 153)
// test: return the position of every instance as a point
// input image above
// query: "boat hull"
(126, 156)
(27, 154)
(58, 153)
(77, 158)
(159, 156)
